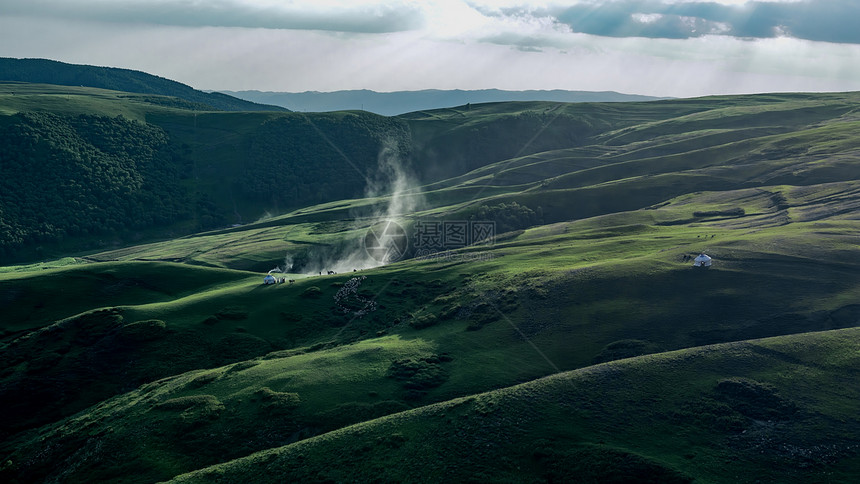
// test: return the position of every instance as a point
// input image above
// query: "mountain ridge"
(46, 71)
(402, 102)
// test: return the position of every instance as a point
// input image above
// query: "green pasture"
(576, 343)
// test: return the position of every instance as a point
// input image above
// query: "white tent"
(702, 261)
(269, 279)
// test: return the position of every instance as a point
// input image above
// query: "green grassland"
(166, 167)
(772, 410)
(553, 298)
(578, 343)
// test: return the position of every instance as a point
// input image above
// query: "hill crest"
(400, 102)
(45, 71)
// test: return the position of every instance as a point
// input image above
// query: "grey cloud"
(224, 13)
(823, 20)
(525, 43)
(618, 19)
(817, 20)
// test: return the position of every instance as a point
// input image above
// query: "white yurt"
(269, 279)
(703, 260)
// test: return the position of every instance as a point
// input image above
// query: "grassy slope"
(553, 298)
(641, 154)
(773, 410)
(32, 301)
(589, 152)
(571, 294)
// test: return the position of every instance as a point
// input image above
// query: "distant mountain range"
(44, 71)
(394, 103)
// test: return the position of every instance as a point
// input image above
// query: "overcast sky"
(654, 47)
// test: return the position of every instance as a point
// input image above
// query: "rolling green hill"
(773, 410)
(577, 342)
(165, 168)
(107, 168)
(44, 71)
(553, 298)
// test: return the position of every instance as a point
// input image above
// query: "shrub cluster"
(312, 292)
(226, 314)
(424, 321)
(189, 401)
(508, 216)
(625, 348)
(194, 410)
(419, 374)
(732, 212)
(754, 399)
(278, 402)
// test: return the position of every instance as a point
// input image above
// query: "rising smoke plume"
(401, 195)
(287, 267)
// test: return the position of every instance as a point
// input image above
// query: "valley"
(572, 337)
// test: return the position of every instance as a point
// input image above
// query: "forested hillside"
(299, 160)
(86, 168)
(90, 168)
(46, 71)
(83, 176)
